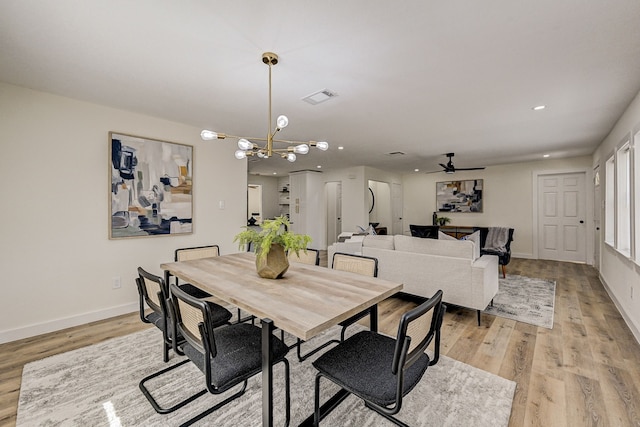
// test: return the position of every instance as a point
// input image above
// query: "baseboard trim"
(522, 255)
(67, 322)
(623, 313)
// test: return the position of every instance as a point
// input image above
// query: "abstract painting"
(151, 187)
(459, 196)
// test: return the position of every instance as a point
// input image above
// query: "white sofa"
(425, 265)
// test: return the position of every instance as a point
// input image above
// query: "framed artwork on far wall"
(459, 196)
(151, 187)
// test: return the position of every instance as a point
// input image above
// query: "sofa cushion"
(445, 236)
(451, 248)
(379, 241)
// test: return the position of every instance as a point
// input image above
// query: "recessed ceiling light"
(319, 167)
(275, 173)
(416, 170)
(546, 155)
(539, 107)
(341, 148)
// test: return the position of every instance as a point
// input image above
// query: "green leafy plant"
(443, 220)
(273, 231)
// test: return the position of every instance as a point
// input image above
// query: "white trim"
(627, 319)
(588, 174)
(67, 322)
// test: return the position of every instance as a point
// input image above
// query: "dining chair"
(198, 252)
(360, 264)
(382, 370)
(308, 256)
(153, 291)
(227, 356)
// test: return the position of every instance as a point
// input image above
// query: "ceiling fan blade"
(444, 166)
(469, 169)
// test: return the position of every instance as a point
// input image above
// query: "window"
(623, 199)
(610, 202)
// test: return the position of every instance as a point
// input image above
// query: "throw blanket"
(497, 239)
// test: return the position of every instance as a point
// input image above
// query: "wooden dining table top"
(306, 301)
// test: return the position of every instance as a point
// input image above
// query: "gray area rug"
(526, 300)
(98, 386)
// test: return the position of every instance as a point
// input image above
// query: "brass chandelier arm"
(248, 146)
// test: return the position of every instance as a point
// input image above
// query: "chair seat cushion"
(362, 365)
(194, 291)
(239, 354)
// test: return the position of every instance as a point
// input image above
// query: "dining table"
(308, 300)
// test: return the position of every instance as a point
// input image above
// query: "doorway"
(333, 193)
(597, 212)
(562, 217)
(254, 203)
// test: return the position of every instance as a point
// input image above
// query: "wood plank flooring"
(583, 372)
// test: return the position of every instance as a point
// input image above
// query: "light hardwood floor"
(583, 372)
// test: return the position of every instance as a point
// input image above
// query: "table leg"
(267, 373)
(373, 318)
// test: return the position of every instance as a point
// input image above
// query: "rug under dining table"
(98, 386)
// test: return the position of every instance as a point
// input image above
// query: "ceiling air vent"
(396, 153)
(319, 96)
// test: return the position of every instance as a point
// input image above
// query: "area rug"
(98, 386)
(526, 300)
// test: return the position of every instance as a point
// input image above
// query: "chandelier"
(246, 146)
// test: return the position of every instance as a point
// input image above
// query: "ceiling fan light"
(243, 144)
(208, 135)
(291, 157)
(241, 154)
(301, 149)
(282, 122)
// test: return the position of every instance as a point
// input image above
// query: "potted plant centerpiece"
(272, 243)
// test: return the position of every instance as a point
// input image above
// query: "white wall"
(508, 198)
(618, 272)
(56, 258)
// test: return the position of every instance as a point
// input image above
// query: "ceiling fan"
(449, 168)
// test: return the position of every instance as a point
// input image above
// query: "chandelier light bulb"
(261, 154)
(291, 157)
(240, 154)
(322, 145)
(208, 135)
(282, 122)
(301, 149)
(243, 144)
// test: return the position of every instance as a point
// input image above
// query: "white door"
(396, 208)
(334, 211)
(561, 217)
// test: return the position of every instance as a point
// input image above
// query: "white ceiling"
(421, 77)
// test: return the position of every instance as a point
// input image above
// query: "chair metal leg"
(155, 404)
(321, 412)
(303, 357)
(387, 416)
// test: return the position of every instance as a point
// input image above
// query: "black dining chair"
(227, 356)
(360, 264)
(379, 369)
(153, 291)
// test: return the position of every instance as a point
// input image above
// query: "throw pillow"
(475, 238)
(445, 236)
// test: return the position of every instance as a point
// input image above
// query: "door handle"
(581, 222)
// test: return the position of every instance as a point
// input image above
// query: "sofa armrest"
(484, 272)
